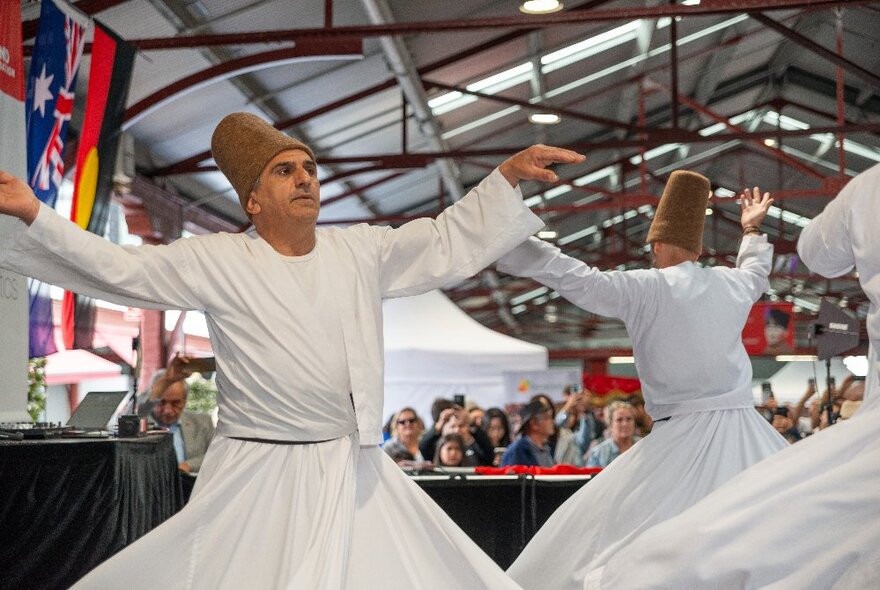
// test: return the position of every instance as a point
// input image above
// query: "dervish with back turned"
(808, 517)
(294, 491)
(685, 322)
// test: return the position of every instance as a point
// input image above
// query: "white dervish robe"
(686, 326)
(298, 342)
(809, 516)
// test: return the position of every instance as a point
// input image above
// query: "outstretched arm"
(755, 253)
(490, 220)
(54, 250)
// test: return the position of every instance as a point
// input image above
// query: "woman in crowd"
(562, 444)
(622, 417)
(406, 430)
(498, 430)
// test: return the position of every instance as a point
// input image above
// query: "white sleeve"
(755, 260)
(824, 245)
(609, 293)
(427, 254)
(56, 251)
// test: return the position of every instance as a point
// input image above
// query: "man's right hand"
(531, 163)
(177, 370)
(17, 199)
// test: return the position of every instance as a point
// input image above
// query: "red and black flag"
(109, 78)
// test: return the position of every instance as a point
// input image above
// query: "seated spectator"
(498, 430)
(164, 403)
(531, 448)
(621, 416)
(406, 431)
(567, 420)
(441, 410)
(644, 422)
(476, 414)
(497, 427)
(450, 451)
(478, 450)
(588, 427)
(783, 424)
(548, 403)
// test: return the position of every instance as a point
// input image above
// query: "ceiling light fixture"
(544, 118)
(540, 6)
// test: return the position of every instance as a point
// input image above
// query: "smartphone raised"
(766, 391)
(202, 364)
(458, 400)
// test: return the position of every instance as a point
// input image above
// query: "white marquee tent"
(433, 349)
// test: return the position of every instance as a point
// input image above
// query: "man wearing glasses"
(165, 405)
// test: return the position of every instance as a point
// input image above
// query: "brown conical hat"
(243, 144)
(681, 213)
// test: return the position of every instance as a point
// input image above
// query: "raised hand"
(531, 163)
(754, 207)
(17, 199)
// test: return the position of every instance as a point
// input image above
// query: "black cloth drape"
(500, 514)
(66, 505)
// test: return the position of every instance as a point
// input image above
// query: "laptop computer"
(97, 410)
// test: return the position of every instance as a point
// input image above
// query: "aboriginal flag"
(109, 78)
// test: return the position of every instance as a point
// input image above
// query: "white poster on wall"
(13, 287)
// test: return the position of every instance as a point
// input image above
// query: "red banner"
(11, 63)
(605, 384)
(770, 329)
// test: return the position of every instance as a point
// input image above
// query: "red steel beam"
(89, 7)
(868, 77)
(514, 22)
(225, 70)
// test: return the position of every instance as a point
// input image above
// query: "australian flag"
(51, 83)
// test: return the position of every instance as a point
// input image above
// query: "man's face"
(288, 188)
(542, 424)
(170, 405)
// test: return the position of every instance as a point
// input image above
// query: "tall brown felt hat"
(682, 211)
(243, 144)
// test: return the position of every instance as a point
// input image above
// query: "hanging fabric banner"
(50, 91)
(109, 79)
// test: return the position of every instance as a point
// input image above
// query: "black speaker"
(131, 425)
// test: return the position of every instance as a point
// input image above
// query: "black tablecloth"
(67, 505)
(501, 514)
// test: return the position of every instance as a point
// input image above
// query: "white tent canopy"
(433, 349)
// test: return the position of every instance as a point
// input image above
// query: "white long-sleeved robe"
(686, 326)
(298, 342)
(809, 516)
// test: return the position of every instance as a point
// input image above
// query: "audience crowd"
(580, 429)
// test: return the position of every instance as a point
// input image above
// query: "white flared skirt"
(679, 463)
(329, 515)
(808, 517)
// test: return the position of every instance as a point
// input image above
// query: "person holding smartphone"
(165, 404)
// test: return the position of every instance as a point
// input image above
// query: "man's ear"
(253, 207)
